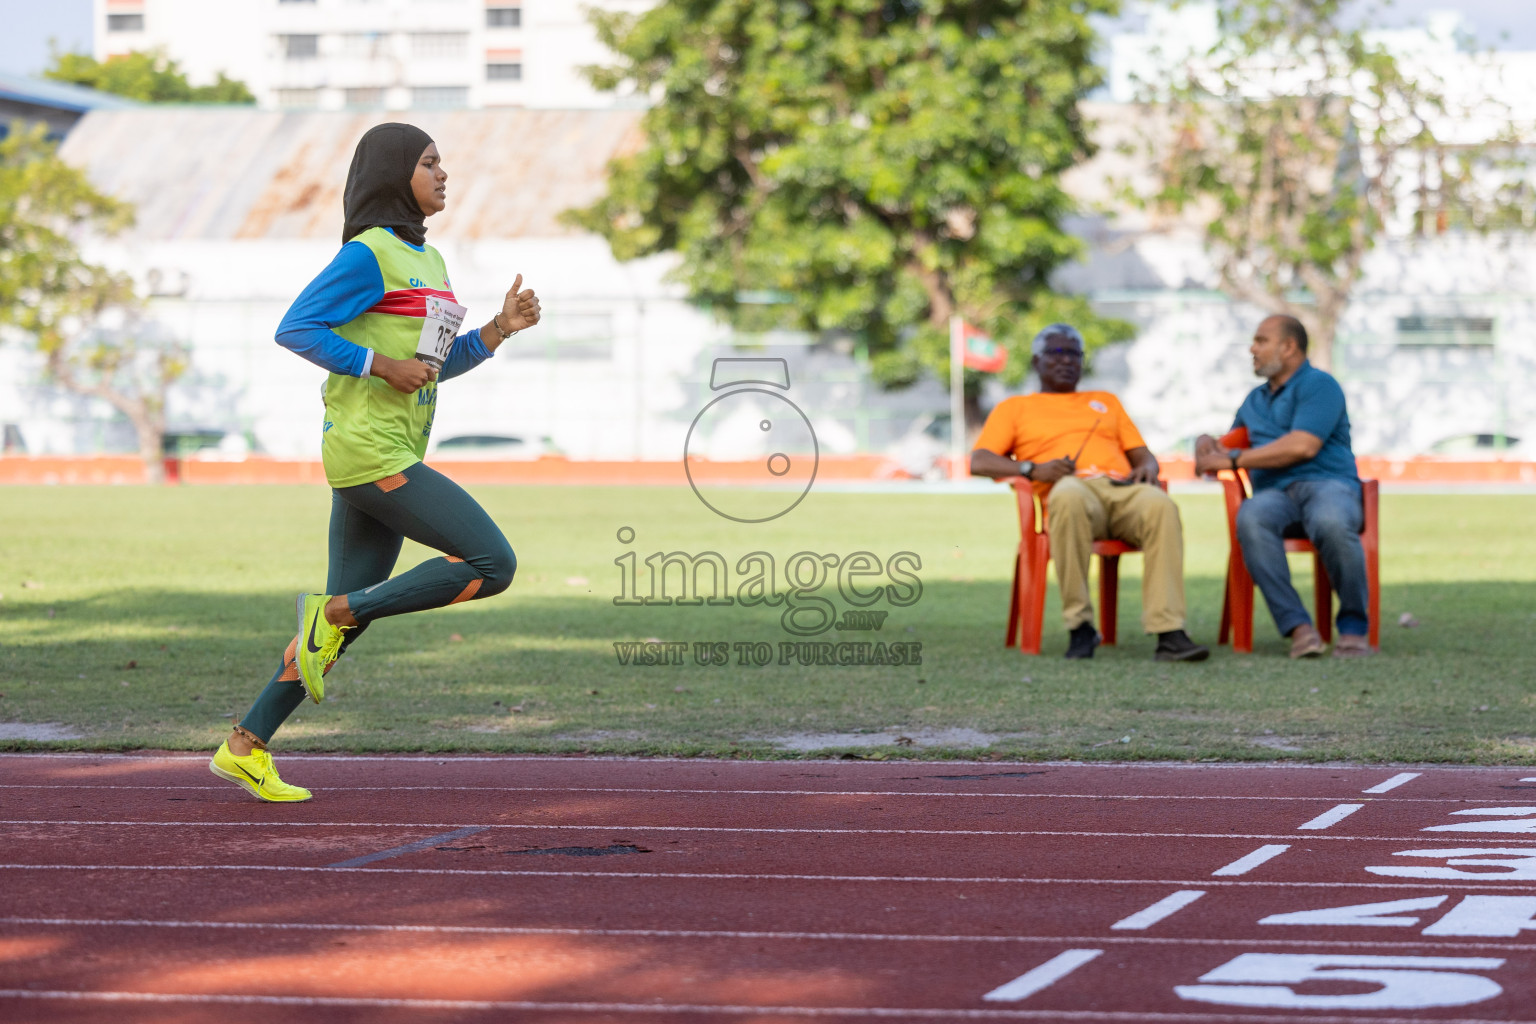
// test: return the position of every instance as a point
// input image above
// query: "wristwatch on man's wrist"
(1232, 454)
(1026, 469)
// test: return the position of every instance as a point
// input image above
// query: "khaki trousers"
(1083, 511)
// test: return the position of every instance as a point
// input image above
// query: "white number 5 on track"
(1407, 982)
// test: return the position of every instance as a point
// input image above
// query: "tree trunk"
(150, 430)
(1320, 351)
(1322, 324)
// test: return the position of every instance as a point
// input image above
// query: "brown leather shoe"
(1305, 642)
(1347, 646)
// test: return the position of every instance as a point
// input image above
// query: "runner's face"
(427, 183)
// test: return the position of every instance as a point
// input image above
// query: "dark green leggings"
(368, 524)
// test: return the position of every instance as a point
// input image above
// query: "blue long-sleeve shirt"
(347, 288)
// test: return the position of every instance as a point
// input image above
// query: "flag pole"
(957, 469)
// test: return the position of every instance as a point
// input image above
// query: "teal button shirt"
(1312, 401)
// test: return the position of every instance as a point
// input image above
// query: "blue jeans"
(1329, 514)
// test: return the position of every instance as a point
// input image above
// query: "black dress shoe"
(1175, 645)
(1084, 639)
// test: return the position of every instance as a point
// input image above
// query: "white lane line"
(757, 792)
(1165, 907)
(1393, 782)
(1247, 863)
(763, 1010)
(683, 933)
(1331, 817)
(1042, 977)
(395, 851)
(1439, 883)
(637, 827)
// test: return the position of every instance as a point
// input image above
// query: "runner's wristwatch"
(1027, 469)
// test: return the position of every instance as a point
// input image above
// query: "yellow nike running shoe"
(319, 644)
(256, 773)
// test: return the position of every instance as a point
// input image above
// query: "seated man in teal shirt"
(1304, 485)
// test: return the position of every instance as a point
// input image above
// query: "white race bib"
(444, 317)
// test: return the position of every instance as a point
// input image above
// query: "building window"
(1446, 331)
(503, 17)
(441, 45)
(300, 47)
(365, 44)
(125, 23)
(371, 98)
(298, 99)
(504, 71)
(440, 96)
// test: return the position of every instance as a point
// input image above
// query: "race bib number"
(444, 317)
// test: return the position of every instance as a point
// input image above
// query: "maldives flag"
(980, 351)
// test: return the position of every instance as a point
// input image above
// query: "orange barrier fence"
(1422, 469)
(128, 469)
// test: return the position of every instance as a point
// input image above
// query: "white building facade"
(374, 54)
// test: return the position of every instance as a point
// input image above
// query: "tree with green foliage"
(83, 318)
(147, 77)
(860, 166)
(1299, 139)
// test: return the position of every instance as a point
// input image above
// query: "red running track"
(140, 888)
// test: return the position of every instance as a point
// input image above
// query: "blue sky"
(30, 23)
(1490, 19)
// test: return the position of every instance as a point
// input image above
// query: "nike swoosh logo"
(251, 777)
(314, 648)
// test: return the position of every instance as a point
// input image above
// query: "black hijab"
(379, 183)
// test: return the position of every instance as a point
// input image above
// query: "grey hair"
(1056, 331)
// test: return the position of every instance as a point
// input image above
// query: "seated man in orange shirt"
(1099, 480)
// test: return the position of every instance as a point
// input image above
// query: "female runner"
(384, 299)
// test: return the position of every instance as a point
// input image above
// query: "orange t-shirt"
(1046, 426)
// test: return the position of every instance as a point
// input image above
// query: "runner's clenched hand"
(404, 375)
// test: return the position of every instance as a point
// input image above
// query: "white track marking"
(1163, 908)
(747, 792)
(1332, 817)
(1393, 782)
(653, 1009)
(1042, 977)
(1378, 915)
(685, 933)
(1516, 863)
(395, 851)
(764, 877)
(1264, 980)
(638, 827)
(1243, 865)
(1512, 825)
(1501, 916)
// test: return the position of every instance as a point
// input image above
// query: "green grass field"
(150, 617)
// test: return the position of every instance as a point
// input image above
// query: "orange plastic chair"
(1026, 610)
(1237, 607)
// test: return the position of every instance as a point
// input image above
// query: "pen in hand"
(1087, 439)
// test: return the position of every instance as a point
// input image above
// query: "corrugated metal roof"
(204, 173)
(59, 95)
